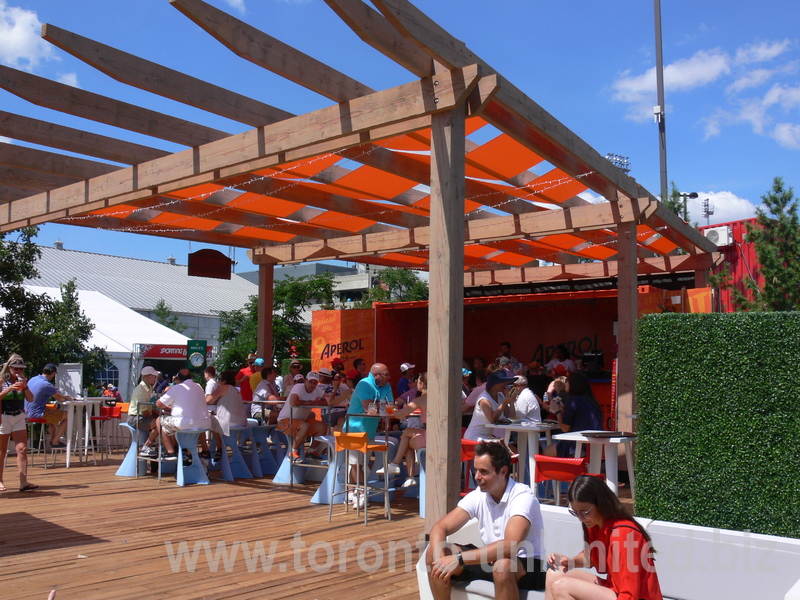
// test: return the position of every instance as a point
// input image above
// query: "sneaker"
(315, 455)
(362, 501)
(148, 452)
(58, 445)
(170, 456)
(409, 482)
(295, 456)
(393, 470)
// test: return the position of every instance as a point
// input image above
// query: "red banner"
(165, 351)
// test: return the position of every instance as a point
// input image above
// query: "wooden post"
(266, 280)
(627, 314)
(445, 314)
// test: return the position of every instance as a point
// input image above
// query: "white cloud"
(787, 98)
(787, 135)
(639, 91)
(762, 52)
(68, 79)
(237, 4)
(752, 79)
(727, 207)
(21, 45)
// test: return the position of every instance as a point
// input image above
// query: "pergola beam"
(269, 53)
(73, 101)
(36, 131)
(155, 78)
(580, 218)
(52, 163)
(268, 145)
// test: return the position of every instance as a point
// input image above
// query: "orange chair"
(467, 455)
(358, 442)
(558, 469)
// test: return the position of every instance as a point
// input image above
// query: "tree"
(395, 284)
(677, 203)
(35, 326)
(292, 298)
(163, 315)
(776, 236)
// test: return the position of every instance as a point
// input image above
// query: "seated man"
(511, 528)
(297, 412)
(186, 404)
(141, 413)
(267, 389)
(43, 389)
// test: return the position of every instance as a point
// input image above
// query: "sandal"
(28, 487)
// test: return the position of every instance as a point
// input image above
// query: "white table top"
(587, 437)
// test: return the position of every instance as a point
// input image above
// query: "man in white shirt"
(186, 404)
(296, 412)
(210, 375)
(511, 529)
(526, 403)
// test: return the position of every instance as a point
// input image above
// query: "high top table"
(609, 442)
(80, 428)
(528, 441)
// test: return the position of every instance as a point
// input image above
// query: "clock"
(196, 359)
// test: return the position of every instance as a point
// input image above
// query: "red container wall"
(741, 260)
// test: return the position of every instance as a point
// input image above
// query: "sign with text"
(345, 334)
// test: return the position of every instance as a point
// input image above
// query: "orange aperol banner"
(344, 334)
(699, 300)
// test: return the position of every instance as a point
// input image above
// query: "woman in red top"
(618, 547)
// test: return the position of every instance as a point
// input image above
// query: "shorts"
(331, 416)
(534, 578)
(143, 423)
(54, 416)
(315, 427)
(11, 424)
(169, 424)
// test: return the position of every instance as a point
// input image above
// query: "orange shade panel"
(503, 156)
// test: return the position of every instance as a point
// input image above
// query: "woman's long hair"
(593, 490)
(4, 372)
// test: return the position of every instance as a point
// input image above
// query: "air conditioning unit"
(721, 236)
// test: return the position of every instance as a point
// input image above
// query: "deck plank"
(121, 525)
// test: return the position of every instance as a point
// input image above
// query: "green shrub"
(719, 420)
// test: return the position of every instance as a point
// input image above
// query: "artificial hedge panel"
(719, 420)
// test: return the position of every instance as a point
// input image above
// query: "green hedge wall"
(719, 420)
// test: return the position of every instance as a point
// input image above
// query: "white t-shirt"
(527, 406)
(479, 426)
(211, 385)
(493, 517)
(568, 364)
(188, 403)
(300, 413)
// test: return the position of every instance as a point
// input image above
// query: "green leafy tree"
(292, 298)
(395, 284)
(776, 237)
(163, 314)
(676, 203)
(35, 326)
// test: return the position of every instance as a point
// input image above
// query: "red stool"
(558, 469)
(107, 414)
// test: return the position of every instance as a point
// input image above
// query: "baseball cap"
(326, 371)
(149, 371)
(312, 376)
(498, 377)
(19, 363)
(353, 374)
(295, 362)
(336, 361)
(406, 366)
(298, 378)
(503, 361)
(520, 380)
(465, 372)
(259, 362)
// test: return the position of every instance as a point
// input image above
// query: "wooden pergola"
(390, 178)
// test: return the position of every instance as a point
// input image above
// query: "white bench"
(692, 562)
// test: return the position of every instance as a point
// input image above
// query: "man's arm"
(438, 557)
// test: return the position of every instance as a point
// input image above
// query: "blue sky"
(731, 75)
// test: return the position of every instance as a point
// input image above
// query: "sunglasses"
(580, 514)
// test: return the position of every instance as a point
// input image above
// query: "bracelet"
(461, 560)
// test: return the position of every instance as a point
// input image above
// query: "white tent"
(117, 329)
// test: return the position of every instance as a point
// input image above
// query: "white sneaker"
(393, 470)
(409, 482)
(361, 501)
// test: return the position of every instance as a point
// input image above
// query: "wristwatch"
(461, 560)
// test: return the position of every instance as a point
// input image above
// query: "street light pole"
(660, 111)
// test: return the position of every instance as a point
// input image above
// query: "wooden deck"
(91, 535)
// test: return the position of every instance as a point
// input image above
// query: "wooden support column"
(445, 314)
(266, 280)
(701, 278)
(627, 314)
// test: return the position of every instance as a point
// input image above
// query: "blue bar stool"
(261, 449)
(131, 463)
(250, 453)
(194, 472)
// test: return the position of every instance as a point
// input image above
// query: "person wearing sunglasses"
(13, 394)
(617, 547)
